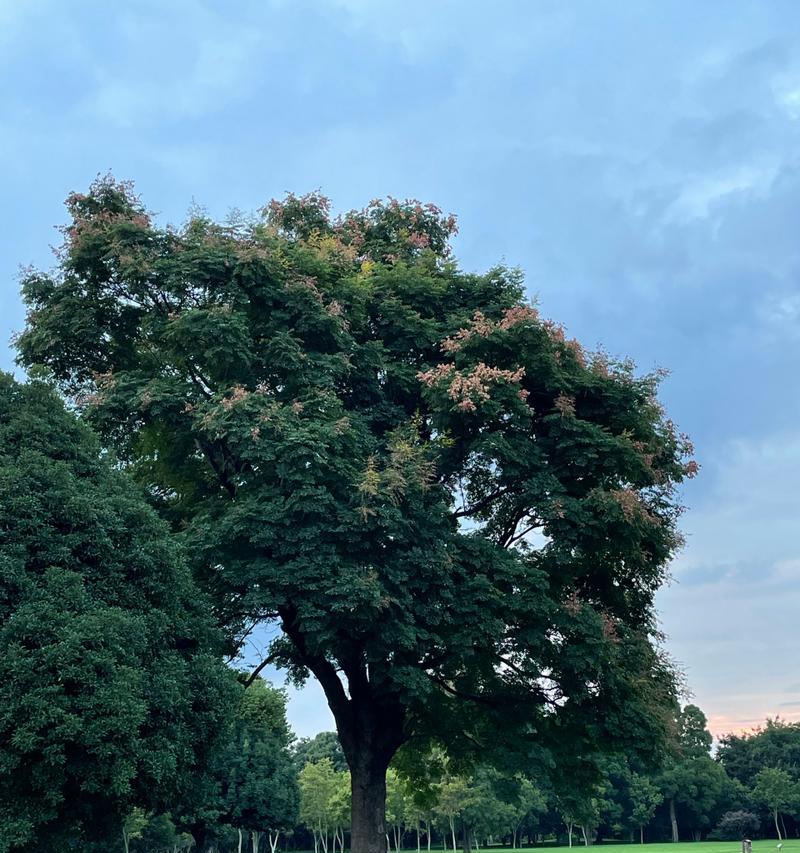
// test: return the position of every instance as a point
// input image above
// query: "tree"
(318, 800)
(691, 780)
(776, 744)
(395, 807)
(259, 778)
(775, 789)
(458, 517)
(645, 799)
(453, 795)
(340, 808)
(527, 802)
(111, 687)
(322, 745)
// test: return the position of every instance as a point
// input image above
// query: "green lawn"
(770, 845)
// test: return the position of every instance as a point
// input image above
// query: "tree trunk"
(569, 832)
(255, 835)
(641, 834)
(673, 820)
(240, 840)
(777, 827)
(368, 817)
(514, 840)
(585, 837)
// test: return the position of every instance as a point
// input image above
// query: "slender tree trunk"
(673, 820)
(785, 833)
(126, 840)
(453, 833)
(585, 837)
(240, 840)
(419, 847)
(514, 839)
(255, 836)
(777, 826)
(641, 834)
(569, 832)
(273, 843)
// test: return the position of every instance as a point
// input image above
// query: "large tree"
(112, 690)
(455, 514)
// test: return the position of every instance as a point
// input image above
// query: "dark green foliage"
(111, 688)
(322, 745)
(258, 777)
(776, 744)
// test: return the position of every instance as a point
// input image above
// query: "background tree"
(645, 799)
(318, 789)
(111, 687)
(259, 779)
(776, 744)
(360, 442)
(775, 789)
(322, 745)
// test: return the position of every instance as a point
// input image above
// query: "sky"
(640, 161)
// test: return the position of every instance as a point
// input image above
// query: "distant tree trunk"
(255, 836)
(514, 839)
(777, 826)
(239, 849)
(569, 832)
(585, 837)
(641, 833)
(673, 820)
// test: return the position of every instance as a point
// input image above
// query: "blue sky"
(639, 160)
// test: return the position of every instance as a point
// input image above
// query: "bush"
(734, 826)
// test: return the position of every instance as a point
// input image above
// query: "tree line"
(749, 788)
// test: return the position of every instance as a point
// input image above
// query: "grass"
(768, 845)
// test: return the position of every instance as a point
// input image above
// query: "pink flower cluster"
(565, 405)
(466, 390)
(481, 326)
(628, 501)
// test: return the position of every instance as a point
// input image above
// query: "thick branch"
(466, 512)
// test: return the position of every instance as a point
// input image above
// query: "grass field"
(770, 845)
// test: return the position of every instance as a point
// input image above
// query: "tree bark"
(777, 827)
(368, 789)
(673, 820)
(641, 835)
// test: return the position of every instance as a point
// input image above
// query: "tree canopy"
(455, 513)
(112, 690)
